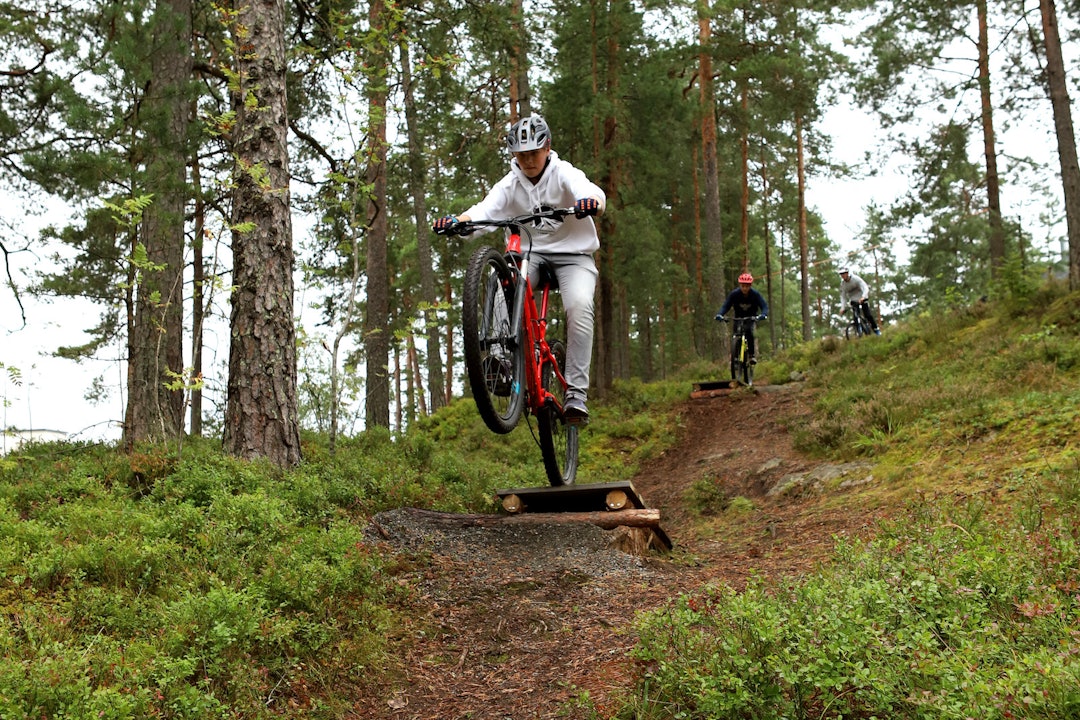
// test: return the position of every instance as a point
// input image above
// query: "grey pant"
(577, 285)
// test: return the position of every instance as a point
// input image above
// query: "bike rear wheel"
(558, 439)
(494, 360)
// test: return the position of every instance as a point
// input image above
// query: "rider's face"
(532, 162)
(745, 287)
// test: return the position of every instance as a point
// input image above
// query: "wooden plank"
(587, 497)
(710, 385)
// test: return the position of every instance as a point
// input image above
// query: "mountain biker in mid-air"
(854, 290)
(748, 303)
(539, 179)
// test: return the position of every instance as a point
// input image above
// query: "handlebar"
(467, 226)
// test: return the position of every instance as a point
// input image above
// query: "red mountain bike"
(512, 363)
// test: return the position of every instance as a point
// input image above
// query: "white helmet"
(843, 271)
(528, 133)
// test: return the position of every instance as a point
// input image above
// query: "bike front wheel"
(741, 370)
(558, 439)
(494, 360)
(736, 358)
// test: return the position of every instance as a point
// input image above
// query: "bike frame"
(862, 325)
(739, 349)
(531, 325)
(738, 332)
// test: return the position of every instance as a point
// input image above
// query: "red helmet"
(746, 278)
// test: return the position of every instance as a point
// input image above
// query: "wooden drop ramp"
(608, 505)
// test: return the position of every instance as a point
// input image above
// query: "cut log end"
(512, 504)
(616, 500)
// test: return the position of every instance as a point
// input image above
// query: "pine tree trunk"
(993, 189)
(154, 412)
(261, 407)
(714, 238)
(376, 320)
(744, 158)
(1070, 169)
(418, 190)
(520, 102)
(804, 250)
(198, 311)
(766, 234)
(448, 294)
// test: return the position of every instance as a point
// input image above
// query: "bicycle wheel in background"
(493, 358)
(558, 440)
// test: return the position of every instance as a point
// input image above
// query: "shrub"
(930, 620)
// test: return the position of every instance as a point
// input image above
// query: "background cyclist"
(854, 290)
(540, 179)
(747, 303)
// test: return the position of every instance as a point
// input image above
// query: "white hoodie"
(560, 185)
(854, 289)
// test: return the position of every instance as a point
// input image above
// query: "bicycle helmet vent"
(528, 133)
(746, 278)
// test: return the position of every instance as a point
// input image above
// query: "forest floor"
(522, 622)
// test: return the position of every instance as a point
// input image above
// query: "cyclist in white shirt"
(539, 179)
(854, 290)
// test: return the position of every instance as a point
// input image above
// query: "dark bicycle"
(858, 325)
(512, 364)
(742, 369)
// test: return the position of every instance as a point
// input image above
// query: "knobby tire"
(736, 358)
(558, 439)
(494, 360)
(741, 370)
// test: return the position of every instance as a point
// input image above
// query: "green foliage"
(930, 620)
(146, 586)
(206, 586)
(968, 373)
(958, 608)
(706, 496)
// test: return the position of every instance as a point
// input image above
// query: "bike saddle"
(548, 276)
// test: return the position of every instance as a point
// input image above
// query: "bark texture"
(1063, 125)
(261, 412)
(155, 345)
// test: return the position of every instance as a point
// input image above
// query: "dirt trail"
(512, 623)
